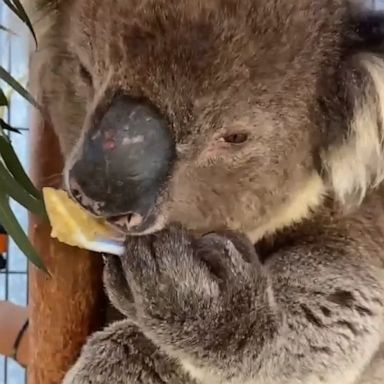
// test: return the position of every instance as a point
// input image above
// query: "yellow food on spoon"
(73, 225)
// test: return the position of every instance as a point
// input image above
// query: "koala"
(237, 146)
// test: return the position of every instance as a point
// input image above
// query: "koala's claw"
(227, 255)
(173, 261)
(163, 264)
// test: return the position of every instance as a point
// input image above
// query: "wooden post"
(65, 308)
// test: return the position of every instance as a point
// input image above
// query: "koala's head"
(212, 113)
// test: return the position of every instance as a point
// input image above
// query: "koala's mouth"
(133, 224)
(125, 223)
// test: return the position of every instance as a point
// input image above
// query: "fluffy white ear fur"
(358, 164)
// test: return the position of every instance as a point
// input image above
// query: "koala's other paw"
(121, 354)
(195, 291)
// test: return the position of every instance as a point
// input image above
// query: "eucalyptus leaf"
(7, 127)
(18, 9)
(3, 99)
(14, 182)
(4, 75)
(13, 189)
(15, 168)
(13, 228)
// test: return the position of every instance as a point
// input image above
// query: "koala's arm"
(313, 313)
(331, 306)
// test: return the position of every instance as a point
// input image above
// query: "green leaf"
(4, 75)
(3, 99)
(18, 9)
(12, 188)
(4, 125)
(11, 6)
(14, 166)
(13, 228)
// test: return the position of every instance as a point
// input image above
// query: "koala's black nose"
(123, 162)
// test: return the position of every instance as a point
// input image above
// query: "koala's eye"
(85, 75)
(236, 138)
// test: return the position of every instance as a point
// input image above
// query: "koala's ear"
(355, 164)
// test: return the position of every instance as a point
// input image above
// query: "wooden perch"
(67, 307)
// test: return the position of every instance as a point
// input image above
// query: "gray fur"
(288, 288)
(311, 314)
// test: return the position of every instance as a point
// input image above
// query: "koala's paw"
(121, 354)
(186, 288)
